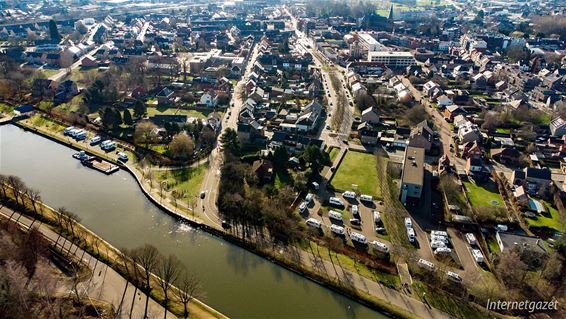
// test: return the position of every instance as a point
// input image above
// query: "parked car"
(454, 277)
(314, 223)
(380, 230)
(335, 201)
(335, 215)
(411, 235)
(478, 256)
(379, 246)
(338, 230)
(426, 264)
(408, 222)
(303, 207)
(366, 198)
(349, 195)
(356, 211)
(437, 244)
(471, 239)
(439, 238)
(439, 233)
(357, 237)
(309, 197)
(122, 157)
(376, 217)
(501, 228)
(95, 140)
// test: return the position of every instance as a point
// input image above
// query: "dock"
(96, 163)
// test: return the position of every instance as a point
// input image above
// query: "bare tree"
(189, 289)
(168, 272)
(18, 187)
(147, 257)
(4, 185)
(34, 198)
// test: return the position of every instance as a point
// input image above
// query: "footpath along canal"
(237, 282)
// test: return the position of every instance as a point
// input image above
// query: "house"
(53, 59)
(421, 136)
(506, 155)
(368, 133)
(469, 133)
(37, 58)
(165, 97)
(308, 118)
(263, 169)
(444, 101)
(358, 90)
(370, 115)
(558, 127)
(65, 91)
(89, 62)
(518, 177)
(412, 177)
(257, 94)
(474, 166)
(431, 89)
(208, 99)
(452, 111)
(537, 180)
(509, 241)
(472, 150)
(521, 196)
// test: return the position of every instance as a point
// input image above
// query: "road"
(63, 72)
(210, 185)
(105, 283)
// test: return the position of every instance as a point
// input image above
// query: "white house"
(558, 127)
(208, 99)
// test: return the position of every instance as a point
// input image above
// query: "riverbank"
(376, 296)
(91, 243)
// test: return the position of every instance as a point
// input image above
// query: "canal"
(236, 282)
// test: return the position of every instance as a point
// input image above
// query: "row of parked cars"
(425, 264)
(354, 236)
(106, 145)
(439, 242)
(476, 252)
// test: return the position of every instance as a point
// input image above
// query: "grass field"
(333, 153)
(151, 111)
(551, 219)
(360, 169)
(481, 196)
(185, 180)
(5, 109)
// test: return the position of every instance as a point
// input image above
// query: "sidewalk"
(105, 284)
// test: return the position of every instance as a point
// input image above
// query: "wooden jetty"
(96, 163)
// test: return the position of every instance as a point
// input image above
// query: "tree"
(18, 187)
(230, 141)
(315, 158)
(415, 115)
(117, 119)
(147, 257)
(517, 53)
(189, 288)
(280, 157)
(109, 119)
(128, 118)
(54, 32)
(139, 109)
(168, 272)
(145, 133)
(511, 269)
(181, 146)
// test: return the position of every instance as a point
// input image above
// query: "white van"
(408, 222)
(426, 264)
(338, 230)
(478, 256)
(349, 195)
(335, 215)
(335, 201)
(439, 238)
(309, 198)
(123, 156)
(67, 130)
(357, 237)
(95, 140)
(303, 207)
(314, 223)
(439, 233)
(411, 235)
(366, 198)
(379, 246)
(376, 217)
(443, 251)
(471, 239)
(454, 277)
(355, 210)
(437, 244)
(80, 135)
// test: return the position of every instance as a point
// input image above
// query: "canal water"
(236, 282)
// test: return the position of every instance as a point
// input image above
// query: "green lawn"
(42, 122)
(333, 153)
(551, 219)
(151, 111)
(5, 109)
(186, 180)
(481, 196)
(49, 72)
(159, 148)
(501, 130)
(358, 168)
